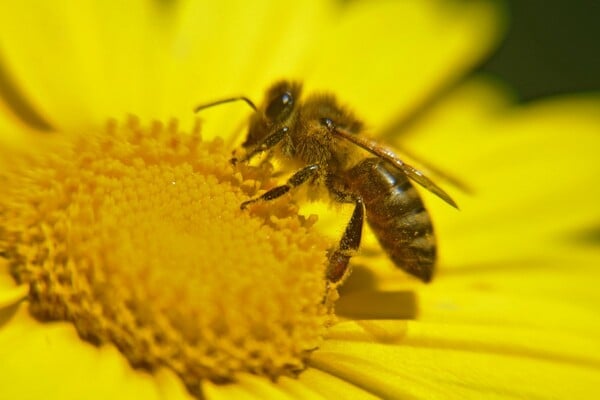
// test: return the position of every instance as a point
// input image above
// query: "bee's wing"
(437, 172)
(388, 155)
(424, 181)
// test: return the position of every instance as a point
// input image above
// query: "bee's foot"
(245, 204)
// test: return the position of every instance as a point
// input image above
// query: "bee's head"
(276, 111)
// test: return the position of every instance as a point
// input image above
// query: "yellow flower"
(127, 269)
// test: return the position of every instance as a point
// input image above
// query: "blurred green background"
(551, 47)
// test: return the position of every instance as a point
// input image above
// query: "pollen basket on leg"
(136, 236)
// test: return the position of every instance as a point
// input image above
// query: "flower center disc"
(136, 236)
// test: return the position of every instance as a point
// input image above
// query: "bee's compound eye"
(280, 107)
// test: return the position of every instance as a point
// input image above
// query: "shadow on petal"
(378, 305)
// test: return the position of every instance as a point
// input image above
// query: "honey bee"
(328, 142)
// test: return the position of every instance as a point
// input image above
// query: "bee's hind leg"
(297, 179)
(349, 243)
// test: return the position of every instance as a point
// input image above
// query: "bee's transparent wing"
(388, 155)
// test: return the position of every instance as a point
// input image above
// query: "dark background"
(551, 47)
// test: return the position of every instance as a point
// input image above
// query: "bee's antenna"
(229, 100)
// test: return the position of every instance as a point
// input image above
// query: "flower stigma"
(135, 235)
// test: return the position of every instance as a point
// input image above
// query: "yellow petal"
(546, 296)
(532, 170)
(331, 386)
(162, 64)
(73, 369)
(247, 387)
(101, 61)
(557, 292)
(498, 308)
(299, 390)
(79, 64)
(431, 361)
(12, 295)
(521, 341)
(15, 134)
(215, 42)
(384, 59)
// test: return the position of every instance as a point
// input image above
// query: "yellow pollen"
(136, 236)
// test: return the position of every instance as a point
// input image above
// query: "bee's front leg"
(267, 143)
(295, 180)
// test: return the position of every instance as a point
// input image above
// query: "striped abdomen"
(396, 215)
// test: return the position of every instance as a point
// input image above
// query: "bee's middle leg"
(297, 179)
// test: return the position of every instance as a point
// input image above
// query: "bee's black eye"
(280, 107)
